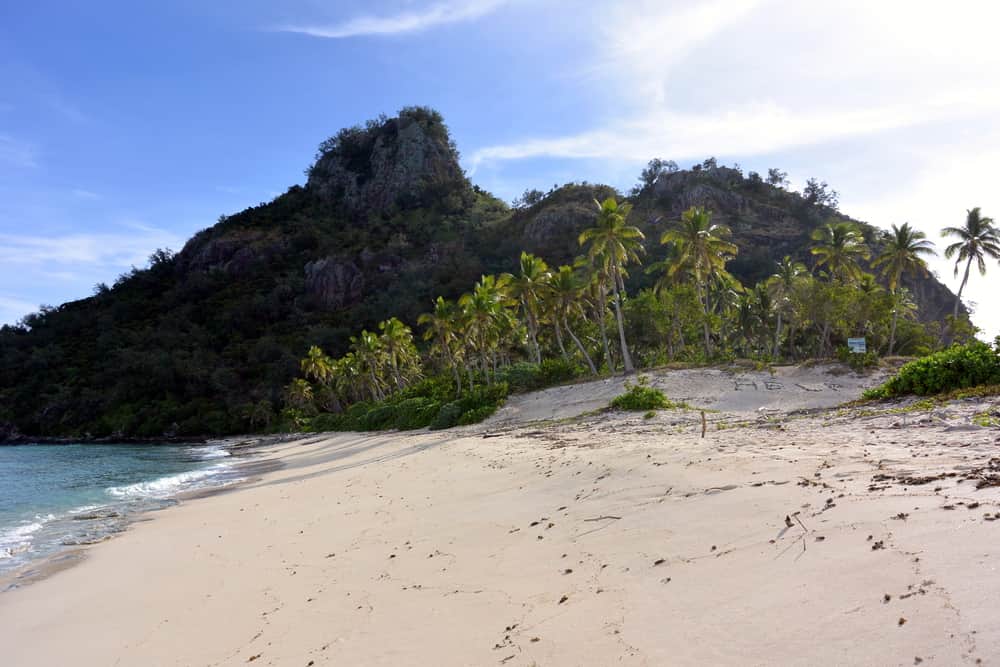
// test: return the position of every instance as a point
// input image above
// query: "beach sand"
(836, 537)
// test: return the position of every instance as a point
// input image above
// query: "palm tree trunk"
(777, 337)
(559, 340)
(532, 331)
(823, 338)
(704, 323)
(892, 331)
(454, 370)
(626, 357)
(579, 346)
(958, 297)
(600, 312)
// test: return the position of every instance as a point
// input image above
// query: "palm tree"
(702, 252)
(564, 289)
(977, 240)
(839, 246)
(442, 327)
(317, 365)
(299, 394)
(483, 309)
(397, 344)
(613, 244)
(781, 284)
(902, 254)
(370, 358)
(527, 288)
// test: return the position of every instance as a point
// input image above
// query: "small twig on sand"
(602, 518)
(704, 424)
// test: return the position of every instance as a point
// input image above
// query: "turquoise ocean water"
(54, 497)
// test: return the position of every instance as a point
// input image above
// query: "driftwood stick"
(704, 424)
(602, 518)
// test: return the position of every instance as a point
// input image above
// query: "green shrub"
(447, 416)
(330, 422)
(640, 396)
(522, 376)
(958, 367)
(379, 418)
(857, 362)
(414, 413)
(557, 371)
(477, 415)
(474, 406)
(525, 376)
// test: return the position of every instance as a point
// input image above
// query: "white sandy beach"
(604, 539)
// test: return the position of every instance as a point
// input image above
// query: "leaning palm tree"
(527, 289)
(902, 254)
(613, 244)
(564, 290)
(442, 328)
(702, 251)
(977, 240)
(839, 246)
(781, 285)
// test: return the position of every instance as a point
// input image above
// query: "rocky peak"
(390, 163)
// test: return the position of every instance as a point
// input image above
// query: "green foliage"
(640, 397)
(958, 367)
(417, 412)
(473, 407)
(525, 376)
(857, 362)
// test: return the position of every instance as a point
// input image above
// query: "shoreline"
(41, 567)
(603, 539)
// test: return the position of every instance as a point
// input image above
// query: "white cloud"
(85, 194)
(404, 22)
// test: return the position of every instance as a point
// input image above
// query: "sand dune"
(844, 537)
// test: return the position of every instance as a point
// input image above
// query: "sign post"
(857, 345)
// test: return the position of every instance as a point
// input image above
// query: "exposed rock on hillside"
(337, 283)
(391, 163)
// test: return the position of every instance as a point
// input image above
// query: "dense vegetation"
(959, 367)
(696, 265)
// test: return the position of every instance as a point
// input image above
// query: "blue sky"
(128, 126)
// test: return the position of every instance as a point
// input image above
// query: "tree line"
(696, 311)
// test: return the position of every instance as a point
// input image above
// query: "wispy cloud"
(681, 81)
(746, 130)
(12, 309)
(17, 153)
(85, 194)
(71, 252)
(404, 22)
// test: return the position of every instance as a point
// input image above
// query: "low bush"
(474, 406)
(447, 416)
(958, 367)
(525, 376)
(857, 362)
(640, 397)
(414, 413)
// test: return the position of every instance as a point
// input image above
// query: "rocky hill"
(386, 222)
